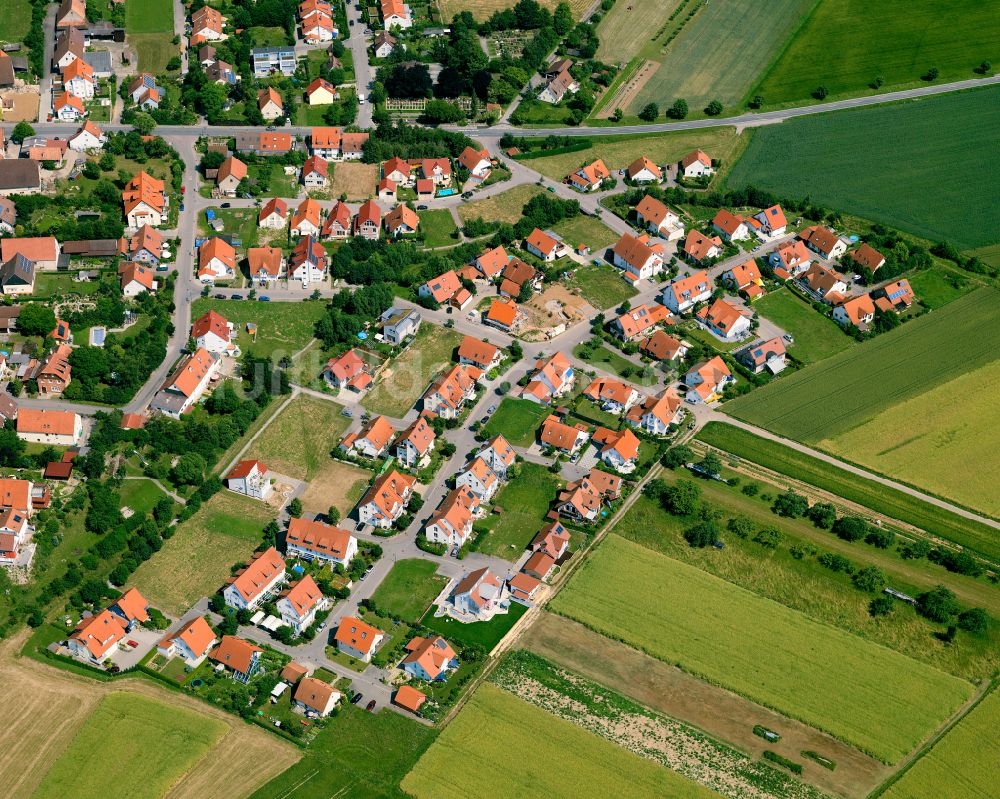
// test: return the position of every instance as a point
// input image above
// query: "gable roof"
(635, 251)
(231, 167)
(318, 537)
(400, 216)
(100, 632)
(133, 605)
(542, 241)
(503, 311)
(314, 694)
(721, 314)
(252, 581)
(244, 468)
(273, 206)
(821, 238)
(660, 345)
(556, 433)
(303, 595)
(492, 262)
(196, 635)
(698, 245)
(357, 634)
(409, 698)
(235, 653)
(211, 322)
(470, 158)
(640, 164)
(419, 434)
(432, 653)
(481, 353)
(652, 210)
(868, 257)
(727, 221)
(857, 308)
(264, 261)
(696, 155)
(58, 423)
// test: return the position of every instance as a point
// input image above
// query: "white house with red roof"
(448, 394)
(312, 540)
(251, 478)
(858, 311)
(358, 639)
(498, 455)
(640, 257)
(299, 603)
(372, 440)
(695, 164)
(257, 582)
(347, 371)
(732, 227)
(658, 219)
(452, 521)
(415, 444)
(543, 245)
(95, 638)
(655, 415)
(216, 260)
(187, 383)
(707, 380)
(386, 500)
(726, 320)
(477, 162)
(617, 448)
(429, 659)
(315, 697)
(763, 355)
(589, 176)
(478, 596)
(192, 642)
(14, 532)
(771, 223)
(613, 395)
(131, 607)
(553, 378)
(480, 479)
(213, 332)
(683, 293)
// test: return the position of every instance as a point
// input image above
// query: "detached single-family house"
(68, 107)
(639, 257)
(658, 219)
(504, 314)
(312, 540)
(498, 455)
(448, 394)
(192, 642)
(401, 220)
(338, 223)
(240, 658)
(553, 378)
(683, 293)
(589, 176)
(824, 241)
(770, 222)
(145, 93)
(306, 219)
(858, 311)
(478, 353)
(257, 582)
(250, 478)
(553, 540)
(321, 92)
(144, 201)
(477, 162)
(383, 44)
(868, 258)
(372, 440)
(17, 276)
(695, 164)
(745, 278)
(135, 279)
(270, 104)
(825, 284)
(763, 355)
(614, 396)
(661, 346)
(583, 500)
(480, 479)
(299, 603)
(563, 437)
(399, 324)
(357, 639)
(347, 371)
(655, 415)
(59, 428)
(515, 276)
(451, 523)
(88, 137)
(542, 244)
(478, 595)
(896, 296)
(790, 260)
(727, 321)
(187, 383)
(699, 247)
(216, 260)
(273, 215)
(97, 637)
(266, 264)
(386, 500)
(429, 659)
(213, 332)
(415, 444)
(368, 221)
(642, 170)
(315, 697)
(617, 449)
(131, 607)
(396, 14)
(78, 78)
(731, 226)
(315, 172)
(706, 380)
(491, 262)
(441, 288)
(559, 85)
(231, 173)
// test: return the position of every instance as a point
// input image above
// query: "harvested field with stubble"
(630, 28)
(356, 180)
(504, 207)
(47, 708)
(339, 484)
(651, 735)
(727, 716)
(566, 760)
(829, 679)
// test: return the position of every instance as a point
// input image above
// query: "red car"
(371, 706)
(133, 644)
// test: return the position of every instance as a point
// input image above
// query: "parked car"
(421, 207)
(236, 297)
(789, 338)
(356, 698)
(224, 205)
(552, 189)
(220, 296)
(263, 298)
(370, 707)
(183, 189)
(466, 195)
(454, 552)
(348, 413)
(182, 205)
(491, 409)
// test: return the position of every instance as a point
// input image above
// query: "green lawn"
(517, 420)
(587, 230)
(848, 389)
(240, 222)
(816, 336)
(504, 207)
(525, 501)
(123, 730)
(486, 634)
(601, 286)
(279, 184)
(962, 764)
(268, 37)
(149, 16)
(940, 285)
(879, 498)
(608, 360)
(565, 760)
(140, 495)
(714, 59)
(196, 560)
(438, 228)
(889, 174)
(831, 680)
(60, 284)
(409, 589)
(299, 441)
(283, 328)
(897, 40)
(409, 375)
(16, 21)
(360, 755)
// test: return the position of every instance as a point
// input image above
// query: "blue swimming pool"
(447, 192)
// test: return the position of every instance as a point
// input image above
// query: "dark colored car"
(224, 205)
(356, 698)
(421, 207)
(236, 297)
(370, 707)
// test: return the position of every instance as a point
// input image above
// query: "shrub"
(850, 528)
(751, 489)
(881, 605)
(820, 92)
(835, 562)
(825, 762)
(702, 535)
(791, 765)
(768, 537)
(880, 538)
(975, 620)
(870, 578)
(677, 456)
(790, 504)
(938, 604)
(741, 526)
(682, 498)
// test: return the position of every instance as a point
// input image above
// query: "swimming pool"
(447, 192)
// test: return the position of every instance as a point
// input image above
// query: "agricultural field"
(438, 228)
(504, 207)
(816, 336)
(149, 26)
(725, 716)
(633, 29)
(299, 441)
(830, 679)
(791, 574)
(601, 286)
(881, 499)
(620, 151)
(403, 383)
(849, 389)
(937, 440)
(517, 420)
(338, 484)
(962, 764)
(409, 588)
(195, 561)
(890, 173)
(586, 230)
(525, 501)
(283, 328)
(894, 39)
(714, 59)
(566, 760)
(123, 730)
(481, 9)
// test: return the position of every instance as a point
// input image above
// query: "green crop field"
(586, 230)
(195, 561)
(633, 29)
(881, 499)
(409, 589)
(525, 501)
(872, 697)
(403, 383)
(721, 52)
(283, 328)
(962, 764)
(897, 40)
(893, 164)
(517, 420)
(620, 151)
(938, 440)
(566, 760)
(601, 286)
(299, 441)
(816, 336)
(124, 730)
(848, 389)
